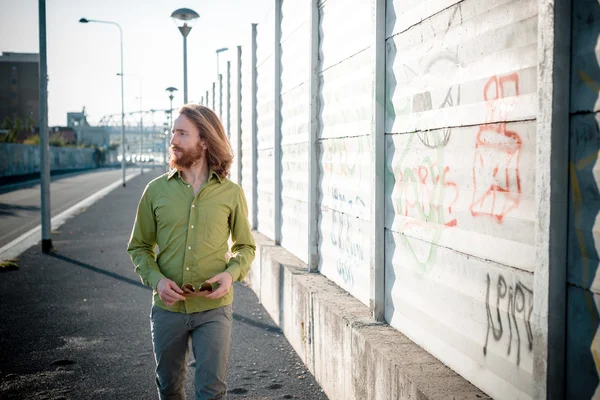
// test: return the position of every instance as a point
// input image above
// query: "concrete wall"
(460, 203)
(21, 159)
(265, 125)
(346, 82)
(460, 184)
(583, 289)
(350, 355)
(295, 65)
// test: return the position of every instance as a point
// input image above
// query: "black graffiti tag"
(520, 301)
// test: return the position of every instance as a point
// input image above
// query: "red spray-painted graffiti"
(497, 149)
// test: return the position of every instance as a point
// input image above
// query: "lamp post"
(217, 52)
(184, 19)
(85, 21)
(171, 90)
(141, 118)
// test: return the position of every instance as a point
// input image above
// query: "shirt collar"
(175, 171)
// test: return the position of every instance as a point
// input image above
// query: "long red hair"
(218, 153)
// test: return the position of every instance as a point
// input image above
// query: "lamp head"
(184, 18)
(84, 20)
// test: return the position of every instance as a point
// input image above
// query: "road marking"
(15, 248)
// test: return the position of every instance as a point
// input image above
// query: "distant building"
(86, 134)
(19, 86)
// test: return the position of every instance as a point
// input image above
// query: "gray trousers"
(210, 336)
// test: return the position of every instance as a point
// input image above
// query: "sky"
(83, 59)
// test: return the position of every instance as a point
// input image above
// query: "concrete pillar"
(254, 90)
(313, 143)
(377, 261)
(277, 126)
(238, 94)
(552, 165)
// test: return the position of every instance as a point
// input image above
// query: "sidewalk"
(75, 325)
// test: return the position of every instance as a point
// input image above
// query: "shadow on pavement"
(100, 271)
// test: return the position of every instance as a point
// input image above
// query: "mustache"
(175, 148)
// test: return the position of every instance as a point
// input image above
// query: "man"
(190, 213)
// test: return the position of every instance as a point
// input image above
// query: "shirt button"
(189, 247)
(188, 185)
(188, 268)
(192, 226)
(193, 206)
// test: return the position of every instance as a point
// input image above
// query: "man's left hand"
(224, 279)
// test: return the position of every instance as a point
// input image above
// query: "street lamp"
(219, 51)
(184, 18)
(171, 90)
(85, 21)
(141, 118)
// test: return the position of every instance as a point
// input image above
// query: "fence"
(408, 153)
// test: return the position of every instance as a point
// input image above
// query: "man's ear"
(203, 144)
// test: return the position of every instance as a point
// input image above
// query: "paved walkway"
(75, 324)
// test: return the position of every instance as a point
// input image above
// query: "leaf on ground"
(9, 265)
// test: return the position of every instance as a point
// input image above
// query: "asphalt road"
(20, 209)
(75, 324)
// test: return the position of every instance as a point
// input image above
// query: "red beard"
(186, 158)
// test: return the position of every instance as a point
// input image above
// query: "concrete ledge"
(350, 355)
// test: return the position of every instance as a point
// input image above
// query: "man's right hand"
(169, 292)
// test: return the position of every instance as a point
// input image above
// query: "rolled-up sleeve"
(142, 243)
(243, 248)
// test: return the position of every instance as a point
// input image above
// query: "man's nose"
(173, 139)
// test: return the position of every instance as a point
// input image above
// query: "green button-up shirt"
(192, 233)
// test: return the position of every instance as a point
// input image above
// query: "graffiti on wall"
(497, 149)
(517, 299)
(349, 249)
(345, 163)
(425, 191)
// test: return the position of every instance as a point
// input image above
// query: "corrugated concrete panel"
(465, 191)
(294, 127)
(346, 89)
(295, 199)
(585, 53)
(295, 45)
(583, 288)
(345, 252)
(346, 175)
(234, 115)
(347, 29)
(345, 148)
(438, 70)
(470, 313)
(247, 122)
(295, 115)
(264, 187)
(460, 185)
(265, 125)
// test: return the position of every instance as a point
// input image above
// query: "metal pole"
(254, 140)
(43, 123)
(170, 127)
(228, 99)
(238, 94)
(313, 141)
(377, 271)
(277, 125)
(185, 92)
(141, 129)
(220, 77)
(122, 109)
